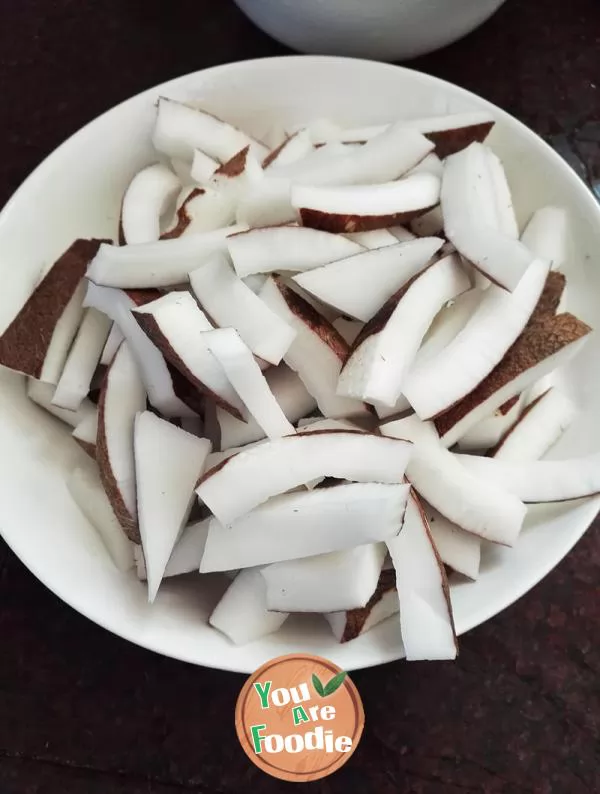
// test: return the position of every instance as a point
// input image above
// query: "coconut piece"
(86, 433)
(441, 381)
(113, 343)
(122, 396)
(199, 210)
(426, 620)
(458, 549)
(547, 235)
(505, 213)
(255, 282)
(286, 248)
(37, 341)
(147, 198)
(378, 238)
(252, 477)
(182, 169)
(242, 614)
(360, 284)
(365, 207)
(489, 431)
(86, 489)
(316, 354)
(159, 264)
(181, 129)
(306, 523)
(332, 582)
(237, 176)
(472, 503)
(471, 219)
(292, 397)
(348, 329)
(229, 302)
(186, 555)
(245, 376)
(545, 345)
(290, 150)
(43, 393)
(203, 167)
(382, 605)
(387, 345)
(538, 480)
(168, 462)
(538, 428)
(76, 379)
(158, 379)
(216, 458)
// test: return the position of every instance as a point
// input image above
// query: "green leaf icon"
(335, 683)
(318, 685)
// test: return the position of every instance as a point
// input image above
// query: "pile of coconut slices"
(281, 367)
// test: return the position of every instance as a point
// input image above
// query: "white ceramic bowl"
(387, 30)
(77, 191)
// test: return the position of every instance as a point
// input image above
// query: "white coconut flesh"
(43, 395)
(547, 235)
(181, 129)
(115, 337)
(286, 248)
(539, 480)
(473, 503)
(198, 211)
(293, 148)
(242, 614)
(292, 397)
(231, 303)
(500, 318)
(203, 167)
(505, 212)
(148, 197)
(118, 305)
(163, 263)
(489, 431)
(377, 367)
(88, 494)
(426, 621)
(168, 462)
(63, 334)
(305, 523)
(317, 352)
(250, 478)
(359, 285)
(249, 382)
(186, 555)
(75, 382)
(86, 431)
(538, 429)
(378, 238)
(458, 549)
(332, 582)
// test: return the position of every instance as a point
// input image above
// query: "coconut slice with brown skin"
(382, 605)
(242, 614)
(122, 397)
(237, 177)
(341, 580)
(545, 345)
(471, 502)
(245, 376)
(175, 324)
(306, 523)
(365, 207)
(186, 555)
(199, 210)
(203, 167)
(489, 431)
(292, 397)
(181, 129)
(286, 248)
(538, 480)
(230, 303)
(158, 379)
(426, 620)
(441, 381)
(359, 285)
(163, 263)
(86, 433)
(247, 480)
(168, 462)
(387, 345)
(469, 197)
(547, 235)
(42, 394)
(459, 550)
(538, 428)
(83, 359)
(316, 354)
(149, 195)
(37, 341)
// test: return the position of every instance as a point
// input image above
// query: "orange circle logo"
(299, 718)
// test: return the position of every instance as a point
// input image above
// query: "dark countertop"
(82, 712)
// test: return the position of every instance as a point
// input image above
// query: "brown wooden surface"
(82, 712)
